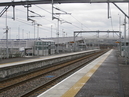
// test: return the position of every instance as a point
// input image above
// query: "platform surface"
(100, 78)
(106, 76)
(105, 82)
(17, 61)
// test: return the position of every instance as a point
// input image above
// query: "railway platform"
(106, 76)
(19, 66)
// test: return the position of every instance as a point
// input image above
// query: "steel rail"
(62, 76)
(31, 78)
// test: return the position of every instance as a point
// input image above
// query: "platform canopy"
(27, 2)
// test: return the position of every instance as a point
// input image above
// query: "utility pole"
(29, 35)
(120, 32)
(38, 30)
(19, 36)
(33, 21)
(19, 32)
(120, 42)
(58, 30)
(125, 31)
(7, 52)
(51, 31)
(23, 34)
(125, 53)
(56, 16)
(34, 29)
(74, 41)
(98, 40)
(128, 23)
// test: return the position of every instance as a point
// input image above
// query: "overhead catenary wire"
(18, 19)
(62, 19)
(80, 22)
(30, 24)
(111, 19)
(26, 22)
(73, 24)
(43, 9)
(39, 14)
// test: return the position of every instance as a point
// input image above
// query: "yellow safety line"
(78, 85)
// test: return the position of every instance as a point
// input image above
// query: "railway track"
(34, 83)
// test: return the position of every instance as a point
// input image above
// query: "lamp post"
(38, 30)
(7, 52)
(27, 35)
(120, 31)
(125, 40)
(23, 34)
(34, 29)
(51, 31)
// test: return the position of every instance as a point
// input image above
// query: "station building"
(49, 46)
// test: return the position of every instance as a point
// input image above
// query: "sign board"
(117, 42)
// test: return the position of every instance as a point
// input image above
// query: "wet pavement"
(110, 80)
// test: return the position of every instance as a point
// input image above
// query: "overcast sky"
(86, 17)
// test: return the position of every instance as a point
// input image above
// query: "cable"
(51, 13)
(20, 10)
(112, 23)
(17, 19)
(46, 11)
(48, 20)
(26, 22)
(80, 22)
(76, 26)
(111, 19)
(63, 19)
(22, 21)
(43, 9)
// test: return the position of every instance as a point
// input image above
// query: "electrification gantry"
(30, 2)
